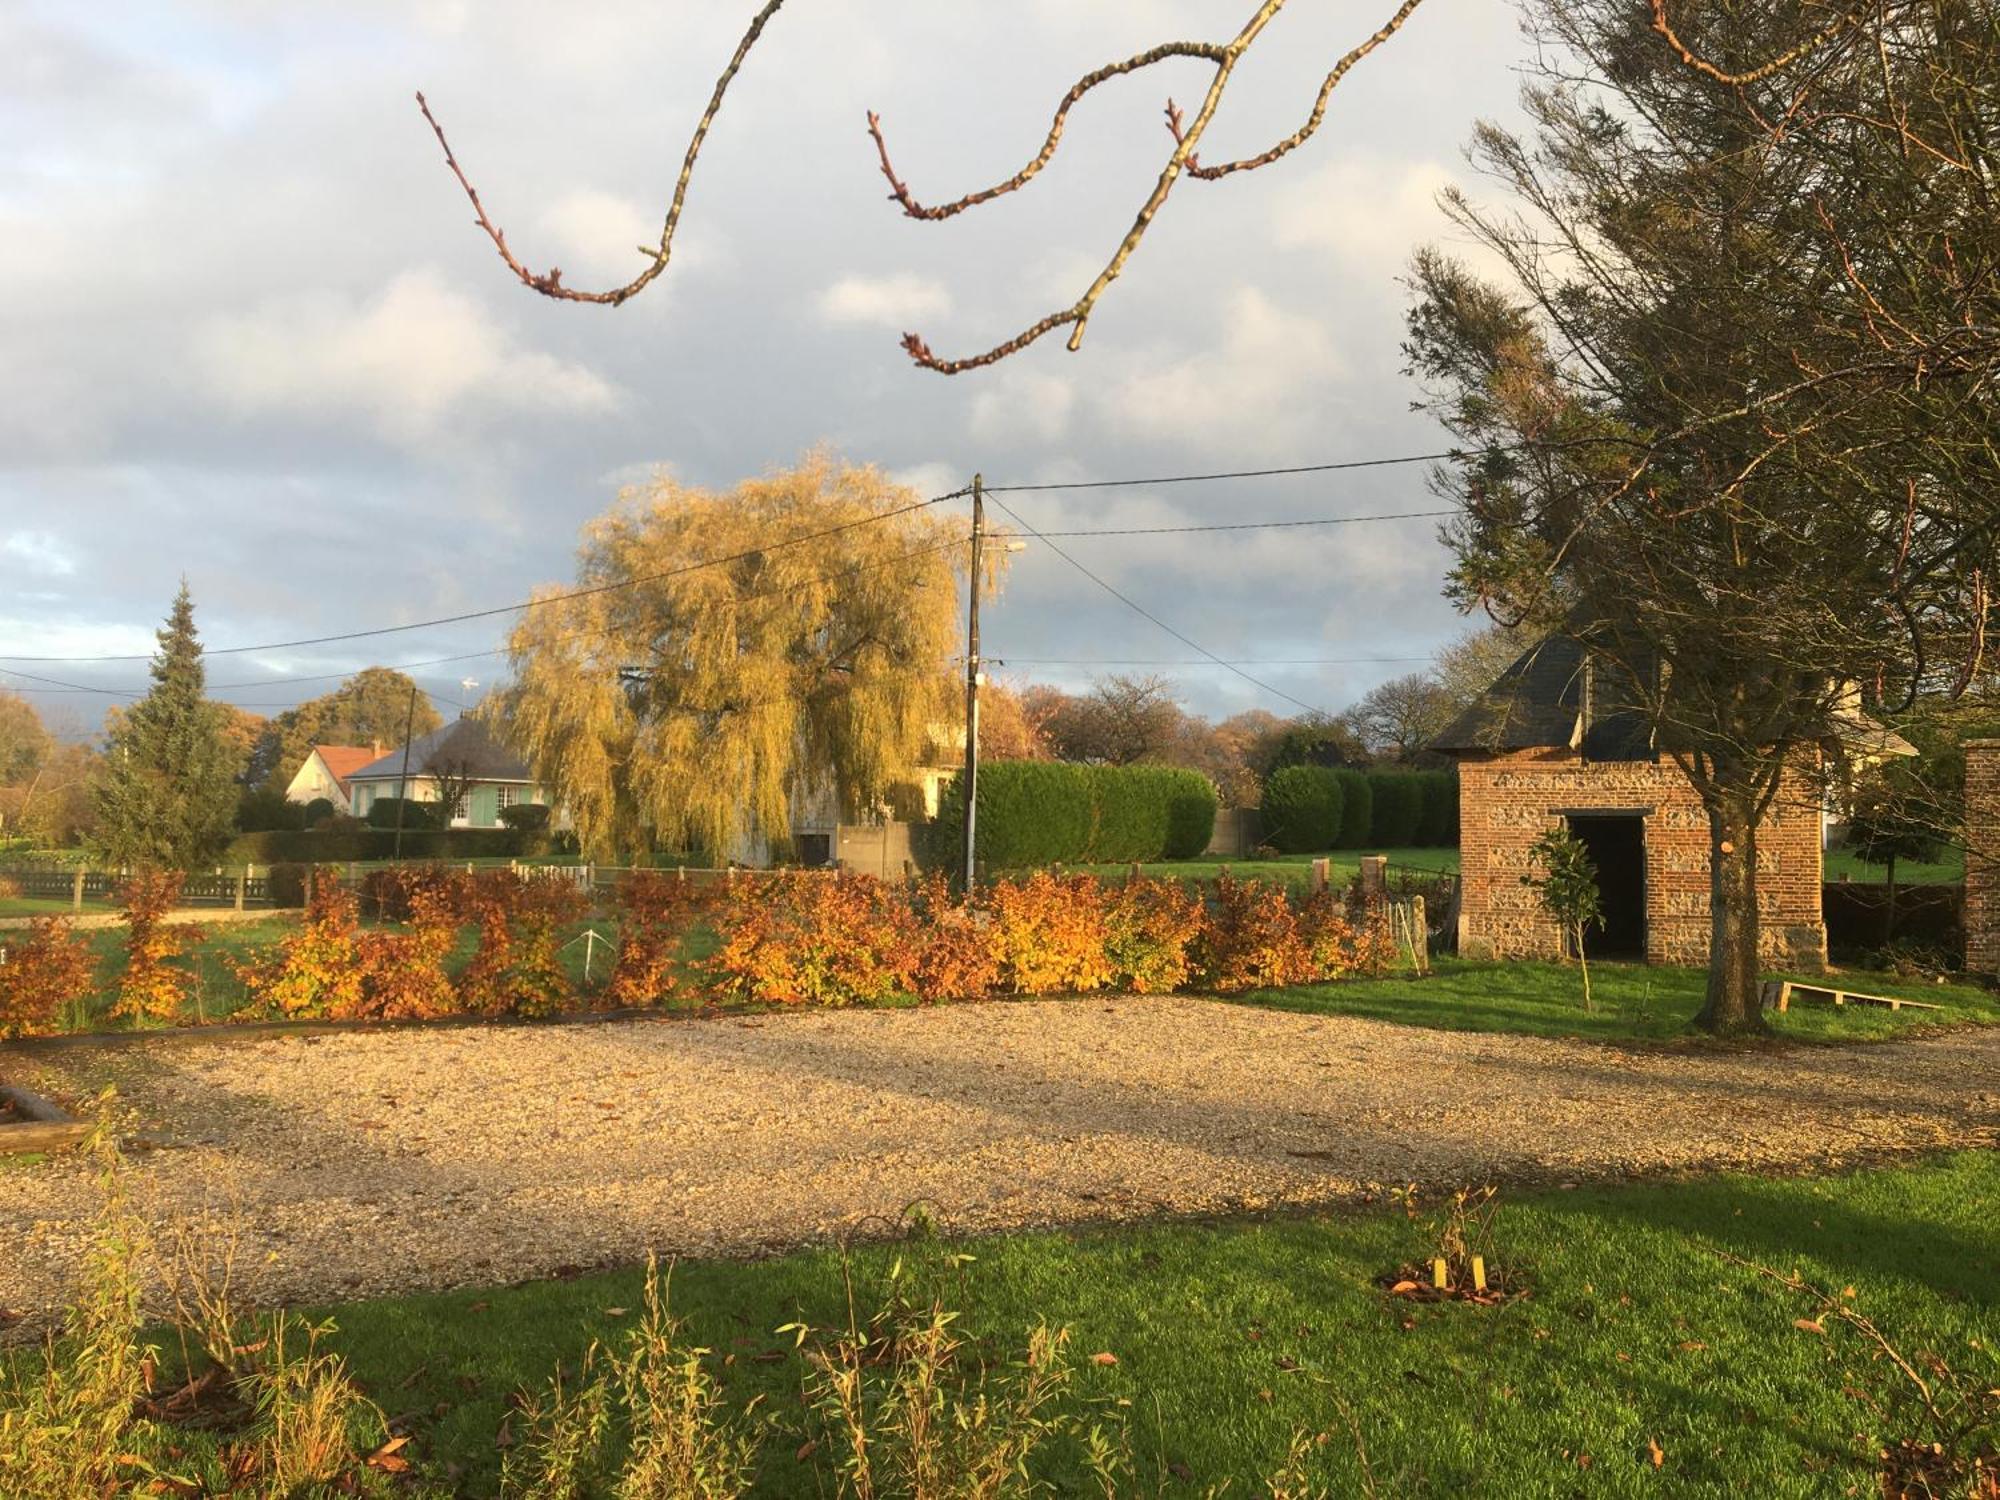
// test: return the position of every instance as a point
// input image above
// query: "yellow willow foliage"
(793, 672)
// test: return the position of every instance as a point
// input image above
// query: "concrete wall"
(1238, 831)
(1982, 856)
(1508, 801)
(878, 850)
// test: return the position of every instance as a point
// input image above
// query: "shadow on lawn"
(1781, 1224)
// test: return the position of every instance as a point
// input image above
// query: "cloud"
(417, 358)
(1372, 214)
(1257, 392)
(1024, 402)
(899, 301)
(40, 552)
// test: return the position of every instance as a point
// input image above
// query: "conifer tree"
(166, 793)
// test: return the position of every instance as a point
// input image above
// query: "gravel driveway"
(367, 1163)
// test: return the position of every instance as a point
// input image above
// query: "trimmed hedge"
(1035, 813)
(1396, 821)
(1302, 809)
(1439, 828)
(415, 814)
(340, 845)
(1357, 809)
(526, 815)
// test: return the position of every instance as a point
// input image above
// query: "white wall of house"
(483, 800)
(314, 781)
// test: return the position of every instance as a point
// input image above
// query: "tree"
(1470, 665)
(1670, 454)
(165, 791)
(454, 778)
(1891, 819)
(1566, 884)
(1008, 728)
(1316, 740)
(1402, 716)
(25, 742)
(1221, 57)
(788, 638)
(55, 804)
(372, 707)
(1121, 721)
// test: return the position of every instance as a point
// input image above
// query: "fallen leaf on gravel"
(1106, 1357)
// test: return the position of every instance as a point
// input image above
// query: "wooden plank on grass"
(41, 1125)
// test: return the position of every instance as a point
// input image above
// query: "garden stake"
(1440, 1276)
(1479, 1273)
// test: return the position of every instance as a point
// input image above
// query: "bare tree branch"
(549, 282)
(1222, 56)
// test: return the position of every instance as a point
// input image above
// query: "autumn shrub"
(1048, 933)
(403, 969)
(1335, 944)
(1150, 926)
(10, 888)
(655, 912)
(813, 939)
(48, 970)
(1251, 939)
(317, 970)
(153, 987)
(956, 956)
(536, 984)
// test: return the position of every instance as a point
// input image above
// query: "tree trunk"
(1734, 995)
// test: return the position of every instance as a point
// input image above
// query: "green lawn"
(39, 906)
(1295, 869)
(1633, 1002)
(1231, 1337)
(1947, 869)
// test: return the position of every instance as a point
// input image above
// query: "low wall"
(1238, 832)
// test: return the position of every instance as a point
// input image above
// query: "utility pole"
(972, 674)
(403, 780)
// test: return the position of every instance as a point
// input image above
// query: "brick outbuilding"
(1546, 746)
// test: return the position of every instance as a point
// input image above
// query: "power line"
(1241, 661)
(1401, 515)
(1140, 609)
(1334, 468)
(562, 598)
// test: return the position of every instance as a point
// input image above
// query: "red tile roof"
(344, 760)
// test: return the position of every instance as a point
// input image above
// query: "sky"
(250, 336)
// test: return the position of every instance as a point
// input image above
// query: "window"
(509, 796)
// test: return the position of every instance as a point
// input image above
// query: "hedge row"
(1312, 808)
(340, 845)
(1034, 813)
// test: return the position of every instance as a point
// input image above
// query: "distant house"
(465, 757)
(1554, 743)
(326, 772)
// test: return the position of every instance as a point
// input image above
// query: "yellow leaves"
(789, 638)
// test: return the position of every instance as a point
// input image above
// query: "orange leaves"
(655, 911)
(48, 970)
(1048, 932)
(1150, 926)
(806, 939)
(1252, 940)
(956, 959)
(317, 971)
(153, 987)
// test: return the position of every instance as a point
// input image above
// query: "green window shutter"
(485, 806)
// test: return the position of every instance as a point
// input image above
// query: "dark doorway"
(1617, 846)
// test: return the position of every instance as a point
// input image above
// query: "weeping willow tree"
(723, 656)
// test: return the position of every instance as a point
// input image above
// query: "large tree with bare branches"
(1185, 133)
(1692, 439)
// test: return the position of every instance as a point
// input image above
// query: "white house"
(465, 754)
(326, 772)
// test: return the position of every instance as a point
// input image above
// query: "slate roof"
(1537, 704)
(342, 761)
(466, 741)
(1534, 704)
